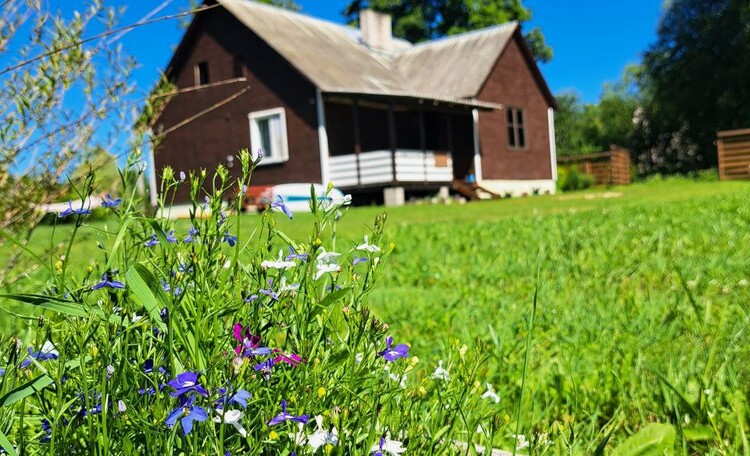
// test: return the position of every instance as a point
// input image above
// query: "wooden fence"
(734, 154)
(608, 168)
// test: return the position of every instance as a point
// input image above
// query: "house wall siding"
(512, 84)
(218, 39)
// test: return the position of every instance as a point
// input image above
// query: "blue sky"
(592, 40)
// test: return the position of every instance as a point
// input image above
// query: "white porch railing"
(376, 167)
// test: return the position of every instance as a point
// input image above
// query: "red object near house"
(260, 196)
(323, 102)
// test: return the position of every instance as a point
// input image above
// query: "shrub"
(226, 340)
(570, 179)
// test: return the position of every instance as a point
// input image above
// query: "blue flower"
(284, 416)
(229, 239)
(71, 211)
(107, 281)
(393, 353)
(47, 429)
(280, 205)
(170, 237)
(2, 371)
(185, 383)
(152, 241)
(148, 366)
(293, 255)
(47, 352)
(108, 202)
(251, 298)
(186, 413)
(240, 397)
(191, 234)
(265, 368)
(358, 260)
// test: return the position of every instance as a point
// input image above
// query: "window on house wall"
(516, 128)
(201, 73)
(268, 136)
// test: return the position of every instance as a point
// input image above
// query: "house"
(324, 102)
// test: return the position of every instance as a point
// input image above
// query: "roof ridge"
(300, 14)
(460, 36)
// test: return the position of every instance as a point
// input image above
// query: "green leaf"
(52, 303)
(147, 291)
(334, 296)
(6, 445)
(655, 439)
(22, 392)
(118, 241)
(698, 433)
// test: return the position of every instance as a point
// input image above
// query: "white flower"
(278, 264)
(49, 349)
(136, 318)
(336, 202)
(359, 357)
(110, 370)
(284, 287)
(490, 394)
(521, 441)
(121, 406)
(392, 447)
(326, 262)
(232, 417)
(321, 436)
(299, 437)
(743, 283)
(441, 373)
(367, 247)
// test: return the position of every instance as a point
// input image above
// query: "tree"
(286, 4)
(696, 82)
(419, 20)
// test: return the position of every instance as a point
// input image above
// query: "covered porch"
(395, 141)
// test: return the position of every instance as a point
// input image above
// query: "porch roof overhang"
(417, 98)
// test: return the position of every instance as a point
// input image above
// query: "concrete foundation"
(394, 196)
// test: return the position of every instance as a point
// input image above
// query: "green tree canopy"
(696, 81)
(419, 20)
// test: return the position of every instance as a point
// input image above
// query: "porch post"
(322, 137)
(357, 138)
(477, 156)
(423, 142)
(392, 137)
(552, 143)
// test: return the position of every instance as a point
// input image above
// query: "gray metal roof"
(334, 58)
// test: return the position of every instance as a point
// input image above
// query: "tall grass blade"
(530, 330)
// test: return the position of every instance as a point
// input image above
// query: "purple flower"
(2, 371)
(186, 413)
(108, 282)
(108, 202)
(358, 260)
(251, 298)
(265, 368)
(270, 293)
(239, 397)
(292, 359)
(164, 315)
(393, 353)
(222, 218)
(280, 205)
(148, 391)
(229, 239)
(293, 255)
(152, 241)
(170, 237)
(284, 416)
(71, 211)
(249, 343)
(47, 429)
(191, 234)
(185, 383)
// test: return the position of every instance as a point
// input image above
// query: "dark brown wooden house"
(323, 102)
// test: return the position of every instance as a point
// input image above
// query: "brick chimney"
(375, 29)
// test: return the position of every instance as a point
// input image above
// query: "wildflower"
(249, 343)
(71, 211)
(251, 298)
(192, 233)
(358, 260)
(47, 352)
(283, 287)
(288, 358)
(321, 392)
(335, 202)
(148, 366)
(490, 394)
(326, 262)
(186, 382)
(265, 368)
(121, 407)
(222, 218)
(280, 205)
(108, 282)
(164, 315)
(293, 255)
(47, 429)
(182, 176)
(270, 293)
(95, 410)
(170, 237)
(281, 263)
(367, 247)
(229, 239)
(108, 202)
(284, 416)
(110, 371)
(186, 413)
(239, 397)
(2, 371)
(152, 241)
(441, 373)
(393, 353)
(321, 436)
(232, 417)
(392, 447)
(521, 442)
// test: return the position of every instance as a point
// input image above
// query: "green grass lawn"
(642, 311)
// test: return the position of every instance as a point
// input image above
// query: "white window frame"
(255, 141)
